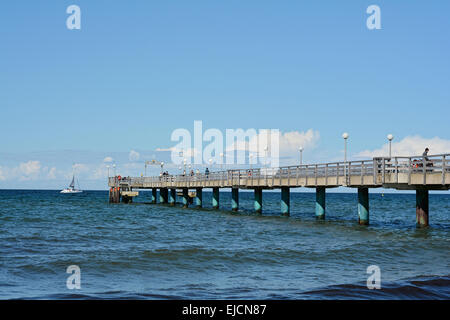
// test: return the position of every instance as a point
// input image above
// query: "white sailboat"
(71, 188)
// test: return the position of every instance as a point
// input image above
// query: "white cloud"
(2, 175)
(30, 168)
(166, 149)
(51, 174)
(80, 167)
(27, 170)
(108, 160)
(289, 142)
(409, 146)
(134, 155)
(189, 152)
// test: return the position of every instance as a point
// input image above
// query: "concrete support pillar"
(185, 197)
(235, 199)
(215, 198)
(127, 199)
(115, 198)
(422, 208)
(154, 190)
(320, 203)
(199, 197)
(258, 200)
(285, 201)
(172, 197)
(363, 206)
(163, 195)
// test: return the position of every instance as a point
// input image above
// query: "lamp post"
(390, 138)
(265, 156)
(146, 164)
(108, 170)
(345, 136)
(301, 155)
(250, 160)
(221, 163)
(184, 162)
(114, 166)
(210, 163)
(162, 166)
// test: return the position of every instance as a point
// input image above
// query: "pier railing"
(433, 169)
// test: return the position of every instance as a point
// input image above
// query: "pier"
(401, 173)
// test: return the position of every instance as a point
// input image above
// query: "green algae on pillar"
(422, 205)
(166, 195)
(285, 201)
(215, 198)
(258, 200)
(363, 206)
(161, 195)
(199, 197)
(154, 190)
(320, 203)
(235, 199)
(172, 197)
(185, 197)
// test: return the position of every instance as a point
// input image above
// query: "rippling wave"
(143, 251)
(421, 288)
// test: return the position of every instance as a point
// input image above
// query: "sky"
(115, 90)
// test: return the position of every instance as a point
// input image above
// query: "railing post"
(239, 177)
(443, 169)
(337, 173)
(315, 174)
(409, 170)
(347, 182)
(396, 169)
(424, 170)
(306, 175)
(362, 172)
(273, 178)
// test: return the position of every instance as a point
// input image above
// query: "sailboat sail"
(72, 184)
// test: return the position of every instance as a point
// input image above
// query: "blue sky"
(137, 70)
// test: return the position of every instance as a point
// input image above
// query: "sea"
(155, 251)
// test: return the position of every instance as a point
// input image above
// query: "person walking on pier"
(425, 154)
(207, 173)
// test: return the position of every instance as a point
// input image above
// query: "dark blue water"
(148, 251)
